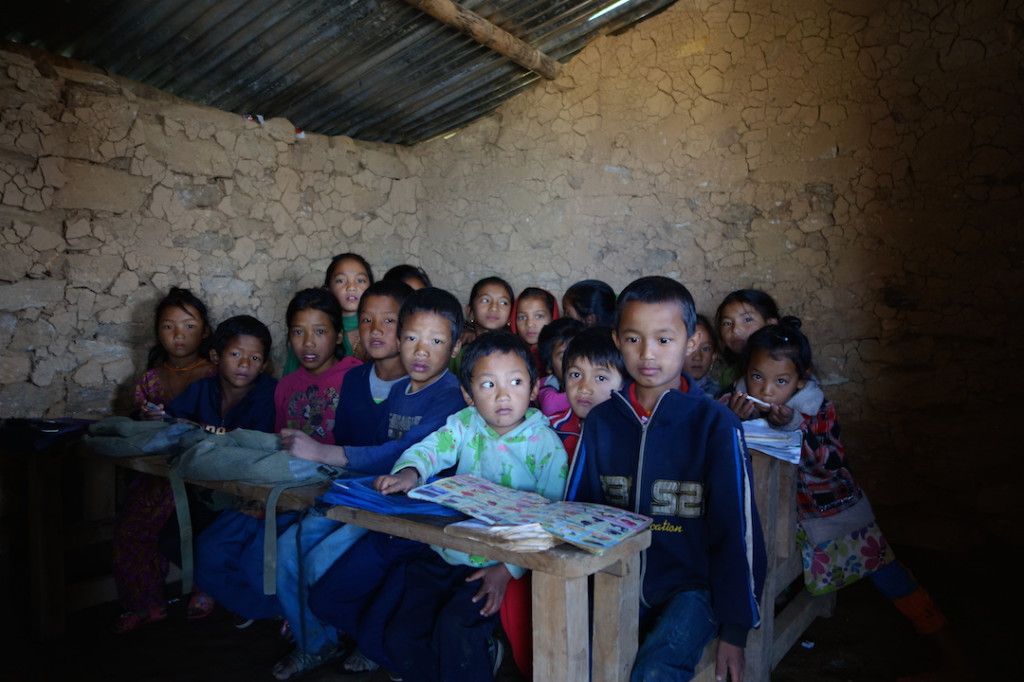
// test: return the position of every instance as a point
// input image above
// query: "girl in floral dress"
(839, 539)
(140, 569)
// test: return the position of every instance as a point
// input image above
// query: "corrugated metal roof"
(378, 70)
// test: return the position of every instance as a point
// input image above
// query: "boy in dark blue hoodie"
(240, 395)
(658, 447)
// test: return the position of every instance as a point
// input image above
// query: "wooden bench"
(775, 494)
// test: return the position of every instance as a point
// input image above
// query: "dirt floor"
(865, 641)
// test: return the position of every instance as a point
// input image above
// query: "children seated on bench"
(229, 554)
(421, 330)
(592, 369)
(441, 626)
(241, 396)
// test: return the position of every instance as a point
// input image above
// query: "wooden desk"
(561, 631)
(561, 646)
(67, 511)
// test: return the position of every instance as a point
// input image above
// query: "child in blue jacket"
(240, 396)
(660, 448)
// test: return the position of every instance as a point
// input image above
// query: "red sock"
(922, 611)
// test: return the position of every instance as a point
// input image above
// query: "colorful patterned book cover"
(594, 527)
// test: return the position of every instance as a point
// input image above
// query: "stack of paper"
(785, 445)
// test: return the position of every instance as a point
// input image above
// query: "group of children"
(615, 402)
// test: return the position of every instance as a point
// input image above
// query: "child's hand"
(729, 662)
(739, 404)
(492, 589)
(152, 413)
(779, 415)
(300, 445)
(402, 482)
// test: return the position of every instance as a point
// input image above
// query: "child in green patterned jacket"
(450, 603)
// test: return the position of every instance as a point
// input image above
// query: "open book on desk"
(593, 527)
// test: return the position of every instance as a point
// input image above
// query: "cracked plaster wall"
(858, 160)
(113, 193)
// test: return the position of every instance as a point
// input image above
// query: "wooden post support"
(46, 542)
(561, 649)
(489, 35)
(615, 626)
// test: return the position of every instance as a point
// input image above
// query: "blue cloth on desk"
(359, 493)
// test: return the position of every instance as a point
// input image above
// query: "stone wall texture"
(859, 160)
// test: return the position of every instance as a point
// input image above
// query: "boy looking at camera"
(240, 395)
(593, 368)
(658, 447)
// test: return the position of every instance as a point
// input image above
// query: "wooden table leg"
(561, 645)
(771, 506)
(616, 610)
(99, 484)
(46, 543)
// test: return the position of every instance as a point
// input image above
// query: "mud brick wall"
(858, 160)
(113, 193)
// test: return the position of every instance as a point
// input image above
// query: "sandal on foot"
(127, 622)
(241, 622)
(296, 664)
(200, 605)
(357, 664)
(130, 621)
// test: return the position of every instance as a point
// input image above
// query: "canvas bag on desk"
(242, 455)
(249, 457)
(124, 437)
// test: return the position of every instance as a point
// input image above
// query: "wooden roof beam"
(489, 35)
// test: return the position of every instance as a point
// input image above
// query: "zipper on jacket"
(639, 469)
